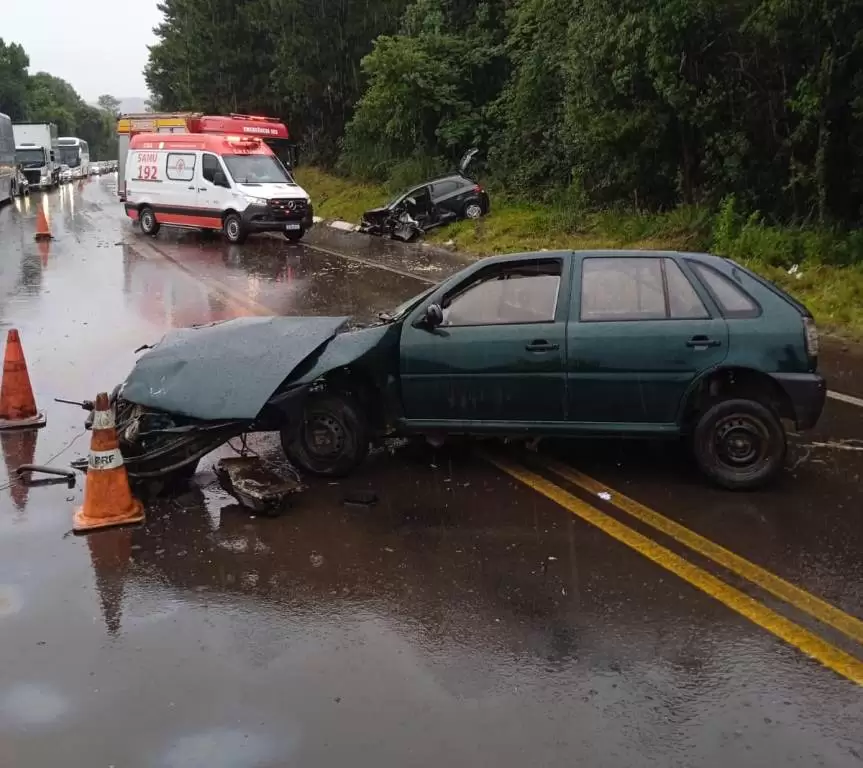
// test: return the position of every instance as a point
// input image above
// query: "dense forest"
(45, 98)
(635, 103)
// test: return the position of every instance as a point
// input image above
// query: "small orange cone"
(43, 231)
(17, 404)
(108, 498)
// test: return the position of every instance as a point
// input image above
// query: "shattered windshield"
(256, 169)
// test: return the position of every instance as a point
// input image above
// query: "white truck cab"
(234, 184)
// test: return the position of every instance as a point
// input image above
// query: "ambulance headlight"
(255, 200)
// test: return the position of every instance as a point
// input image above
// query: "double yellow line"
(801, 638)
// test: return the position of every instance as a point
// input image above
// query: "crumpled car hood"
(226, 370)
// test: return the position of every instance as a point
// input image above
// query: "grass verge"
(821, 268)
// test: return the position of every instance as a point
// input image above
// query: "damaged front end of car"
(200, 387)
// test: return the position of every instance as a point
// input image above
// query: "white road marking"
(850, 399)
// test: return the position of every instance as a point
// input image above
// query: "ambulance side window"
(209, 167)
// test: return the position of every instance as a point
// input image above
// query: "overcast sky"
(99, 46)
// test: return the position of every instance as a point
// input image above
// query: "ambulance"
(233, 184)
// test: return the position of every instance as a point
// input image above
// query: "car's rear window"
(733, 301)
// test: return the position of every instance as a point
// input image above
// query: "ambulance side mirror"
(220, 180)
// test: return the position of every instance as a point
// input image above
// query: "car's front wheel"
(149, 224)
(332, 438)
(739, 444)
(233, 229)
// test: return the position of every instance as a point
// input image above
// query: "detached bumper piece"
(254, 486)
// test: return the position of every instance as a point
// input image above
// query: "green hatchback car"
(549, 344)
(591, 344)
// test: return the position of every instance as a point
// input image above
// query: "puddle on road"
(10, 600)
(229, 748)
(30, 704)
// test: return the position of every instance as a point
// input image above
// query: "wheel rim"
(324, 436)
(233, 229)
(741, 442)
(474, 211)
(147, 221)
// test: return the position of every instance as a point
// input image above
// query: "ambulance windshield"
(256, 169)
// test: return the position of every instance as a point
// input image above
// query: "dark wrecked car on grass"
(429, 205)
(550, 344)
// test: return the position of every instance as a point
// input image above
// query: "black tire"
(149, 224)
(739, 444)
(233, 230)
(473, 209)
(344, 436)
(295, 235)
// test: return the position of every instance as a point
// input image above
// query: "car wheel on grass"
(332, 437)
(473, 210)
(232, 228)
(148, 222)
(739, 444)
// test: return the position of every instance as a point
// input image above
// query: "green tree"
(13, 80)
(109, 103)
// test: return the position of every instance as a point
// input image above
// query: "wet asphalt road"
(468, 618)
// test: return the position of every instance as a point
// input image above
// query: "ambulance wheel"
(232, 228)
(147, 219)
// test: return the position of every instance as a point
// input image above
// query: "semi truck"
(36, 153)
(269, 129)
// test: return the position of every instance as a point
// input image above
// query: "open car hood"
(226, 370)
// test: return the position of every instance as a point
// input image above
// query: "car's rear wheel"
(332, 437)
(473, 210)
(148, 222)
(739, 444)
(232, 228)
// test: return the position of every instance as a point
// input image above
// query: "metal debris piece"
(25, 472)
(254, 486)
(358, 498)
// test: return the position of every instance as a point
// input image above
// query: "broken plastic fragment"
(604, 495)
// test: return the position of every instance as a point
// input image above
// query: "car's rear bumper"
(807, 392)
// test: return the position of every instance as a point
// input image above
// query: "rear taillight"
(811, 332)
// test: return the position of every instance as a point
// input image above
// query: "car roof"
(451, 177)
(705, 258)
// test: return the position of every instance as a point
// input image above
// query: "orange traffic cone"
(17, 404)
(108, 498)
(43, 232)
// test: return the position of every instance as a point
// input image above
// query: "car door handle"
(703, 342)
(200, 189)
(541, 345)
(190, 188)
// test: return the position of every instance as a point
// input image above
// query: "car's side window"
(683, 301)
(622, 289)
(507, 294)
(732, 300)
(444, 188)
(209, 166)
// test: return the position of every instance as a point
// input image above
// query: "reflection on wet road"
(521, 614)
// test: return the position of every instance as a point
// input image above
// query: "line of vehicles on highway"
(33, 156)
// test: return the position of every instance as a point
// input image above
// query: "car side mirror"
(434, 316)
(220, 180)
